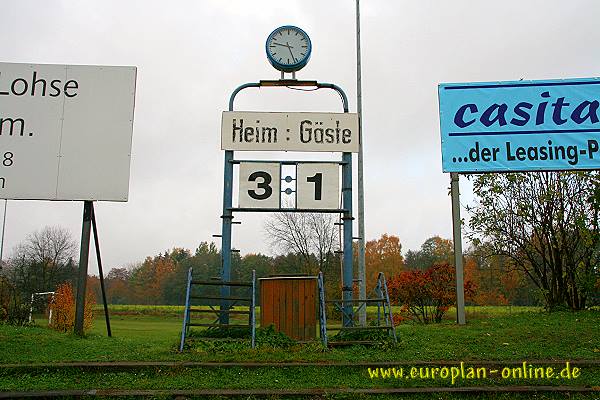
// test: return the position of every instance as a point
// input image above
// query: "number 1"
(317, 179)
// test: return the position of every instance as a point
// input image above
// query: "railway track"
(198, 364)
(296, 392)
(107, 367)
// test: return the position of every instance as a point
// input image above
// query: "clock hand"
(279, 44)
(290, 49)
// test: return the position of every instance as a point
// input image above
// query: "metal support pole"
(83, 267)
(186, 310)
(458, 259)
(348, 270)
(253, 309)
(226, 234)
(100, 272)
(322, 310)
(31, 308)
(362, 276)
(3, 226)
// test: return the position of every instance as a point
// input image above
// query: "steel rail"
(201, 364)
(294, 392)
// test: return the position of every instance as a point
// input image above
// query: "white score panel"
(260, 185)
(318, 186)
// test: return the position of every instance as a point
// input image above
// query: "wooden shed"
(290, 303)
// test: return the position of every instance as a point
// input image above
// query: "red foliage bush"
(63, 319)
(426, 295)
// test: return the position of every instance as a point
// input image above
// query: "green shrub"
(269, 337)
(266, 337)
(374, 335)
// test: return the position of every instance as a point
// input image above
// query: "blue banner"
(520, 126)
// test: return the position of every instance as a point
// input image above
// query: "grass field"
(152, 333)
(144, 333)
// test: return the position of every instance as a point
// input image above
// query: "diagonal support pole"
(100, 271)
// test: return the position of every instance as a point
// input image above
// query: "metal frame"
(346, 210)
(100, 272)
(382, 299)
(300, 210)
(389, 317)
(49, 308)
(89, 221)
(186, 312)
(322, 310)
(231, 301)
(288, 209)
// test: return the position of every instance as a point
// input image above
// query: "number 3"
(264, 185)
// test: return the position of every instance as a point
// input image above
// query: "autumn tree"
(547, 224)
(205, 262)
(497, 279)
(382, 255)
(434, 250)
(117, 286)
(147, 281)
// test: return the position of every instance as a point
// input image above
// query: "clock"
(288, 48)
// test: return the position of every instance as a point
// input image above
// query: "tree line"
(161, 279)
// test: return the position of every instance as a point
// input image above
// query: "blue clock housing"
(277, 51)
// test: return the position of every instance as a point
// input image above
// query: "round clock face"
(288, 48)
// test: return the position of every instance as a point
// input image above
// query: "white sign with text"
(260, 185)
(278, 131)
(65, 131)
(318, 186)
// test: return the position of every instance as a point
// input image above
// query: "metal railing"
(230, 301)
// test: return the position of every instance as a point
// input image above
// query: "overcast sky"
(190, 55)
